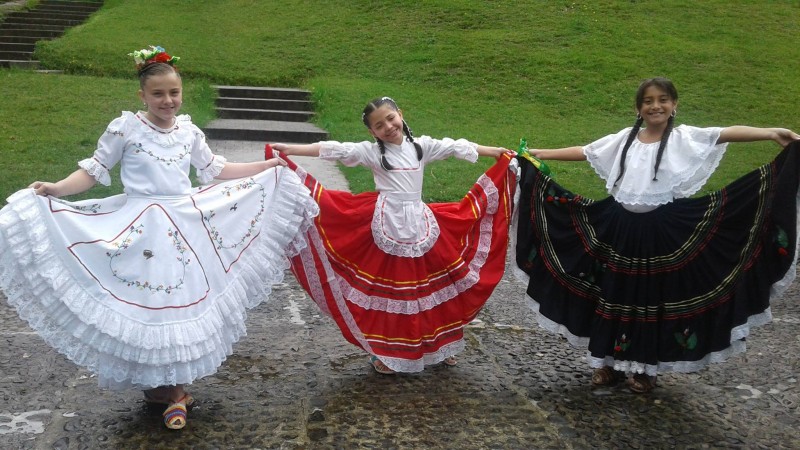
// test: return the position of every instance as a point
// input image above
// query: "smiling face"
(386, 123)
(163, 95)
(656, 107)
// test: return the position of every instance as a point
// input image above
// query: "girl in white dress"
(649, 280)
(150, 288)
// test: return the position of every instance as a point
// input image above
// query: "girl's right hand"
(280, 147)
(783, 136)
(44, 188)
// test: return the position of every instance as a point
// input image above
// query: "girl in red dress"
(401, 277)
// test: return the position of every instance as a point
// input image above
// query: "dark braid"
(369, 109)
(410, 138)
(634, 131)
(663, 144)
(384, 163)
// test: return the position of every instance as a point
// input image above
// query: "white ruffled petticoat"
(151, 291)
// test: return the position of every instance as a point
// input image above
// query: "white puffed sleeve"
(207, 164)
(436, 149)
(350, 154)
(109, 150)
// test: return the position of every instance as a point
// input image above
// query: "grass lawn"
(556, 72)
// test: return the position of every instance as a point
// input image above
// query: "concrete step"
(264, 114)
(71, 4)
(23, 20)
(29, 40)
(264, 103)
(39, 14)
(19, 64)
(6, 46)
(263, 92)
(65, 9)
(15, 55)
(264, 131)
(36, 33)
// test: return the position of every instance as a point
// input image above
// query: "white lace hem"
(418, 365)
(121, 351)
(737, 345)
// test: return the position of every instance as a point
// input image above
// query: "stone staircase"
(264, 114)
(258, 114)
(20, 30)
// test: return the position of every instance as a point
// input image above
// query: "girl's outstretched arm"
(234, 170)
(741, 133)
(77, 182)
(298, 149)
(560, 154)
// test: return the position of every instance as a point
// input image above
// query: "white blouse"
(689, 158)
(154, 161)
(402, 224)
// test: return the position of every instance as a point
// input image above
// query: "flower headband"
(154, 54)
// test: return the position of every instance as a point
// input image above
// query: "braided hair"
(665, 85)
(369, 109)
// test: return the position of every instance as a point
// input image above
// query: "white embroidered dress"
(150, 287)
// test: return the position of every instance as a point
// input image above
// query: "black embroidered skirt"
(673, 289)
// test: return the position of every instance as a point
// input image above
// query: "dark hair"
(665, 85)
(153, 69)
(369, 109)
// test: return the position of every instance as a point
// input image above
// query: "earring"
(638, 116)
(674, 112)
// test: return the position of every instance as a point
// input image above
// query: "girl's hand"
(273, 162)
(44, 188)
(783, 136)
(279, 147)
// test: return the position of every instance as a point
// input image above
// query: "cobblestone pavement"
(294, 383)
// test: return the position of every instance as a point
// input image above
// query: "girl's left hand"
(273, 162)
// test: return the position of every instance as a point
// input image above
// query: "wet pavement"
(294, 383)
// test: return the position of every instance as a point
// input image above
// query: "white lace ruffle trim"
(124, 352)
(96, 170)
(397, 247)
(737, 346)
(418, 365)
(207, 174)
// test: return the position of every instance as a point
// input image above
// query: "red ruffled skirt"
(407, 311)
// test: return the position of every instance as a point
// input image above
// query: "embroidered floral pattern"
(686, 339)
(782, 240)
(622, 344)
(255, 221)
(560, 197)
(93, 208)
(139, 148)
(125, 243)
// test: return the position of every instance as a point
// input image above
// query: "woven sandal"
(450, 361)
(379, 366)
(641, 383)
(175, 414)
(150, 400)
(606, 375)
